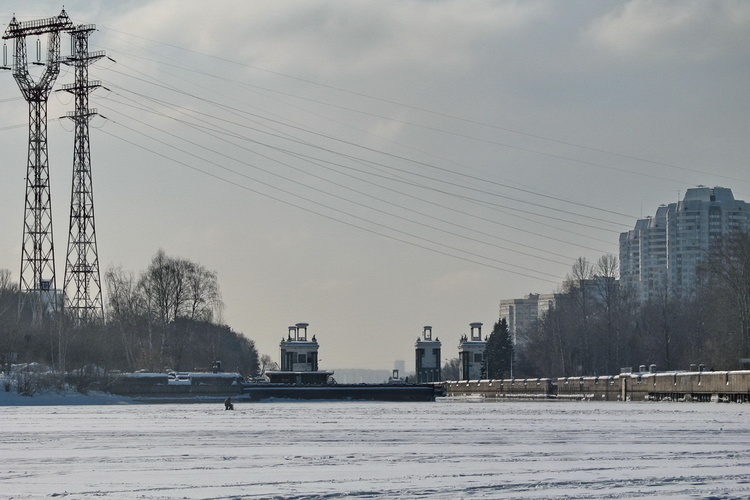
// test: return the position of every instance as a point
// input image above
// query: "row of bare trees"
(145, 310)
(166, 317)
(599, 327)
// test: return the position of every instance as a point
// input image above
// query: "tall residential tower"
(661, 254)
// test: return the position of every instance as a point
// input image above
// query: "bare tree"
(8, 294)
(161, 318)
(266, 364)
(8, 291)
(175, 288)
(203, 299)
(9, 332)
(607, 266)
(452, 369)
(607, 302)
(579, 287)
(5, 283)
(163, 285)
(728, 264)
(126, 311)
(551, 347)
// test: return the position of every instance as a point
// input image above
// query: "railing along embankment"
(642, 386)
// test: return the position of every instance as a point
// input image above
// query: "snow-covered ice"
(442, 450)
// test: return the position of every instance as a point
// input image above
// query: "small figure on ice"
(228, 404)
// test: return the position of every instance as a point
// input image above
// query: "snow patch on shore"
(9, 396)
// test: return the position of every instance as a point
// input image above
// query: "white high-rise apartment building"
(522, 314)
(661, 254)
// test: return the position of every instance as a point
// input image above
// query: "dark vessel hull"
(340, 392)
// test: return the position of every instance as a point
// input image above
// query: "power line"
(313, 201)
(424, 164)
(362, 193)
(319, 162)
(306, 209)
(432, 112)
(415, 162)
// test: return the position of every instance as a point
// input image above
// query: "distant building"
(660, 255)
(427, 362)
(522, 314)
(400, 365)
(597, 287)
(471, 353)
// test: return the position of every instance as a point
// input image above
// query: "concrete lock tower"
(471, 353)
(428, 358)
(299, 359)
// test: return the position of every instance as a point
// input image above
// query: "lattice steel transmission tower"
(82, 284)
(37, 254)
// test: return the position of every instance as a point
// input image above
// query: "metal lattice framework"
(37, 254)
(82, 284)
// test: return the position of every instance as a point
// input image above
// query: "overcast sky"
(371, 167)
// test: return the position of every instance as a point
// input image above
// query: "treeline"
(166, 317)
(597, 326)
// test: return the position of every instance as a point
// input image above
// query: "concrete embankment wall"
(539, 388)
(700, 386)
(696, 386)
(605, 388)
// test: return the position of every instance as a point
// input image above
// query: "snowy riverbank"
(60, 398)
(12, 388)
(444, 450)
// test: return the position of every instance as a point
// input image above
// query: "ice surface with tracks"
(443, 450)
